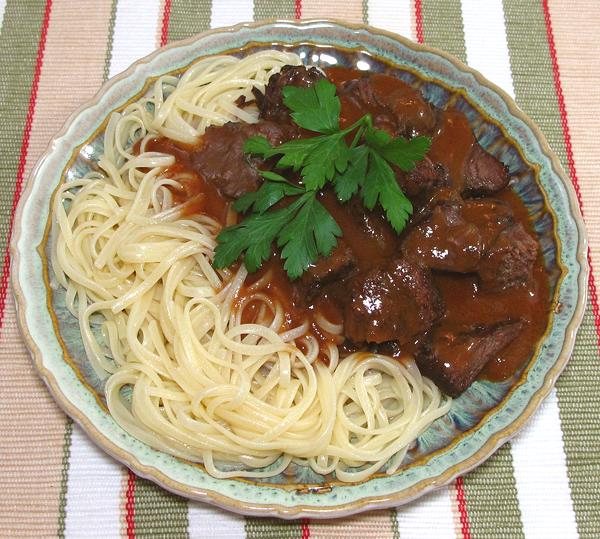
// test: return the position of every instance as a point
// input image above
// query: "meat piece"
(335, 267)
(397, 301)
(221, 159)
(446, 242)
(395, 106)
(425, 178)
(453, 359)
(483, 174)
(457, 234)
(509, 260)
(270, 104)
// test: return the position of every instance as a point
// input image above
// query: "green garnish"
(305, 230)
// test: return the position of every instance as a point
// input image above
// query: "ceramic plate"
(480, 420)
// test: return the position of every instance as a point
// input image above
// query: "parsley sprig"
(304, 229)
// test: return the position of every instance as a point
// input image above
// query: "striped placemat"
(55, 54)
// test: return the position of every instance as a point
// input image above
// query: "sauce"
(204, 196)
(451, 145)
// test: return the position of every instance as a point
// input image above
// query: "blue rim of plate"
(293, 501)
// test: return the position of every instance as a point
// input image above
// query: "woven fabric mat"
(55, 54)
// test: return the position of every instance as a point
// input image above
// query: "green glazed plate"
(480, 420)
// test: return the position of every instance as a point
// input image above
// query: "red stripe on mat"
(419, 20)
(130, 505)
(23, 154)
(305, 529)
(164, 31)
(298, 9)
(462, 508)
(570, 160)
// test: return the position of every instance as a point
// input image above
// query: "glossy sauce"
(452, 143)
(372, 240)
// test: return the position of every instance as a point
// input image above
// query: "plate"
(480, 420)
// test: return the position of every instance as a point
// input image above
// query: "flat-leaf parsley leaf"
(304, 229)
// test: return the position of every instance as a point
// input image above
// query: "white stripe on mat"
(136, 25)
(392, 15)
(485, 41)
(541, 475)
(430, 517)
(538, 454)
(208, 521)
(229, 13)
(2, 9)
(93, 490)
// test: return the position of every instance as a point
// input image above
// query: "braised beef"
(424, 179)
(397, 301)
(395, 106)
(510, 259)
(221, 159)
(455, 358)
(335, 267)
(455, 289)
(484, 175)
(458, 234)
(270, 104)
(446, 241)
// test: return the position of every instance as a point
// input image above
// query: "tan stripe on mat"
(375, 524)
(575, 24)
(32, 442)
(349, 10)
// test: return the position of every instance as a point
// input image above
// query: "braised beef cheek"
(463, 288)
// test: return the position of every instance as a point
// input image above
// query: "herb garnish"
(305, 230)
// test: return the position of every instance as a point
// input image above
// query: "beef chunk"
(457, 234)
(397, 301)
(484, 174)
(509, 261)
(446, 241)
(395, 106)
(335, 267)
(270, 104)
(454, 359)
(425, 178)
(221, 159)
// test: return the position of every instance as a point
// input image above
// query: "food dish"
(436, 90)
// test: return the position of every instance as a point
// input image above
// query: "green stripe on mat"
(187, 18)
(158, 513)
(272, 9)
(19, 40)
(579, 402)
(111, 35)
(62, 502)
(272, 528)
(394, 523)
(490, 490)
(577, 388)
(491, 496)
(443, 26)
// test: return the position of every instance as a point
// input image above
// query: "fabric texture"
(55, 54)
